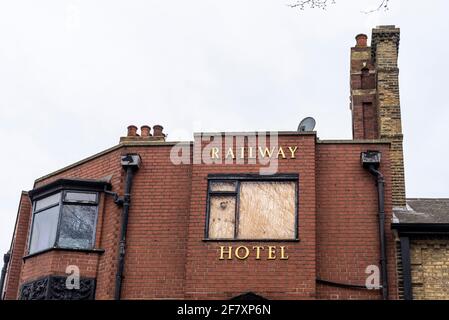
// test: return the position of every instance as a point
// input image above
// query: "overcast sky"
(74, 74)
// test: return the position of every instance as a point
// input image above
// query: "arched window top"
(248, 296)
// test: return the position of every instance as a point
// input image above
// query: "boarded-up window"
(222, 217)
(252, 208)
(267, 210)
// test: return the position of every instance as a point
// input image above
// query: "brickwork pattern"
(385, 44)
(347, 221)
(18, 248)
(166, 256)
(430, 268)
(375, 101)
(207, 277)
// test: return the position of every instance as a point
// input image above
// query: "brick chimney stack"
(375, 104)
(384, 52)
(157, 129)
(361, 40)
(145, 134)
(145, 131)
(363, 91)
(132, 131)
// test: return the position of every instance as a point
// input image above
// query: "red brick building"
(154, 219)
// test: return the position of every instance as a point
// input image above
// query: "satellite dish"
(307, 124)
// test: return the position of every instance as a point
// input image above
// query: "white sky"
(74, 74)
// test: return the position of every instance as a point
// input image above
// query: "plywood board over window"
(222, 217)
(252, 208)
(267, 210)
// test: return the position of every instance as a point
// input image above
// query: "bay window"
(65, 219)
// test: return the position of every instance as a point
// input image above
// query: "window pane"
(77, 226)
(267, 210)
(222, 217)
(84, 197)
(222, 186)
(44, 229)
(48, 201)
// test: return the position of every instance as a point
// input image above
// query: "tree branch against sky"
(322, 4)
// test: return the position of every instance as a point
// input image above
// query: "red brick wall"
(364, 117)
(106, 235)
(18, 248)
(56, 262)
(166, 256)
(207, 277)
(347, 221)
(363, 94)
(155, 254)
(369, 120)
(157, 228)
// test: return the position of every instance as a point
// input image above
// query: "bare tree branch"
(383, 4)
(322, 4)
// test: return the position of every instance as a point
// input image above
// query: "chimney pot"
(361, 40)
(145, 131)
(157, 131)
(132, 131)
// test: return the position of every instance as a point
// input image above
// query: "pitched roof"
(423, 210)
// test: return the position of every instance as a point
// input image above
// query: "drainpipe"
(6, 258)
(130, 162)
(371, 162)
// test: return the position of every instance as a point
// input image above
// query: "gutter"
(421, 228)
